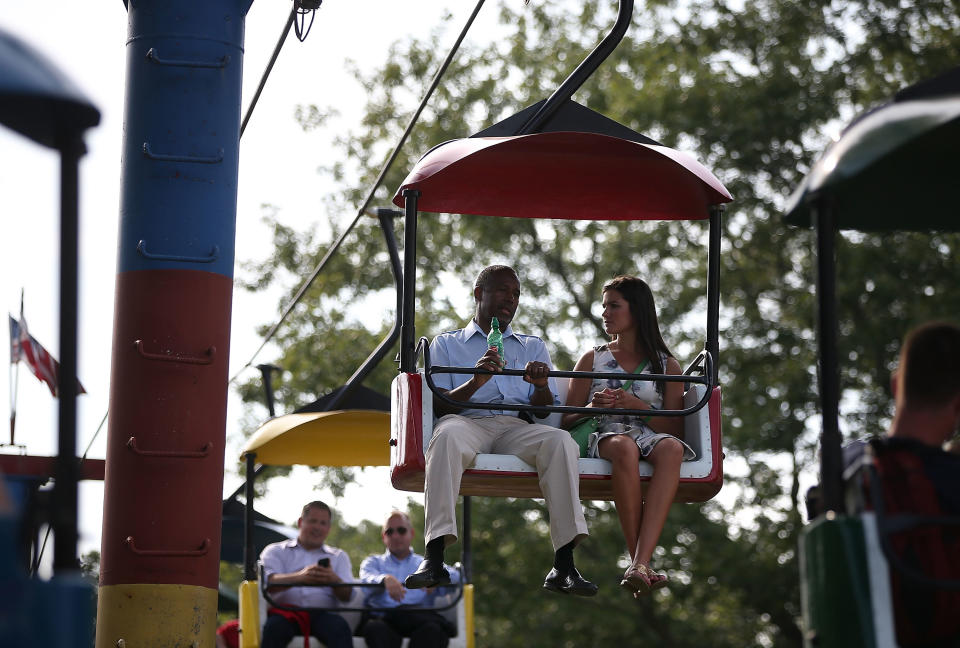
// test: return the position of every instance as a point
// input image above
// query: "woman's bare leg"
(665, 458)
(623, 454)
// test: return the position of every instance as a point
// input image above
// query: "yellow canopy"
(338, 438)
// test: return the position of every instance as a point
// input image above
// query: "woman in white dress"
(630, 319)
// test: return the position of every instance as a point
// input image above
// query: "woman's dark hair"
(644, 313)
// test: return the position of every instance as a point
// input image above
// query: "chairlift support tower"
(168, 388)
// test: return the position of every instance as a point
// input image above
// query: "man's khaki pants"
(455, 444)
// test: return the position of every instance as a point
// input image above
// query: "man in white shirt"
(404, 615)
(306, 560)
(462, 433)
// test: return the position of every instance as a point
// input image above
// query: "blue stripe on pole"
(181, 145)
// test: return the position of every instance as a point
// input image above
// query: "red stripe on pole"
(165, 447)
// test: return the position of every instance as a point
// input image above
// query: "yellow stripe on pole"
(249, 614)
(468, 613)
(155, 616)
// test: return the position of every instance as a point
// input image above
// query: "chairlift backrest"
(902, 493)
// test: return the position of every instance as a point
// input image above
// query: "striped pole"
(168, 394)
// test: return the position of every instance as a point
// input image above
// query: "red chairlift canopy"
(564, 175)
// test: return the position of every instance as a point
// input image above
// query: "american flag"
(24, 346)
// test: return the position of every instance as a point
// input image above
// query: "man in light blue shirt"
(463, 432)
(405, 616)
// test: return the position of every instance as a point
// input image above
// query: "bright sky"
(278, 163)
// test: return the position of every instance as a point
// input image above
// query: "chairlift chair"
(572, 175)
(326, 438)
(894, 168)
(335, 438)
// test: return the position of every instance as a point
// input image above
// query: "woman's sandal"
(642, 579)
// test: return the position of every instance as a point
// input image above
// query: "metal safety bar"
(707, 380)
(264, 586)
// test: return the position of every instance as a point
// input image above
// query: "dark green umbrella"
(895, 168)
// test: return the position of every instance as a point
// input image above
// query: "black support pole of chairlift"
(408, 349)
(266, 372)
(830, 455)
(713, 290)
(249, 557)
(582, 71)
(67, 469)
(385, 216)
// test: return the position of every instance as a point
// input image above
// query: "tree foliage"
(753, 90)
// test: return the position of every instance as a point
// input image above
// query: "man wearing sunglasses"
(403, 612)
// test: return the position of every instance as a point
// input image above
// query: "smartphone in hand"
(324, 562)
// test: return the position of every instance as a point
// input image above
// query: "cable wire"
(273, 59)
(94, 438)
(35, 567)
(366, 203)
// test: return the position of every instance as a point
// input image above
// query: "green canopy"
(895, 168)
(898, 168)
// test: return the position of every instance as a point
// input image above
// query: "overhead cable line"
(300, 8)
(94, 438)
(35, 564)
(366, 203)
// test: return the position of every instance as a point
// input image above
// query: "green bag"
(581, 431)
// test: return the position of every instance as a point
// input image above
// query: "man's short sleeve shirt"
(463, 347)
(289, 556)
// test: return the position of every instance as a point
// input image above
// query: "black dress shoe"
(569, 582)
(430, 573)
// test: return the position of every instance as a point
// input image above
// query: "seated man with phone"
(307, 560)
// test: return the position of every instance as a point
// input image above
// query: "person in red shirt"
(228, 634)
